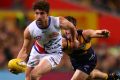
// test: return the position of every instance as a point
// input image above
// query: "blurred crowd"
(111, 6)
(11, 38)
(108, 57)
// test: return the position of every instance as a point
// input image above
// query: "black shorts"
(85, 62)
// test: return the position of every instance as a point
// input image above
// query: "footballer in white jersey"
(47, 49)
(48, 41)
(50, 37)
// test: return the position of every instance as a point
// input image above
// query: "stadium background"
(15, 15)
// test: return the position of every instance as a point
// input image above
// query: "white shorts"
(36, 57)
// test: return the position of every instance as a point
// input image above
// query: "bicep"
(27, 39)
(26, 44)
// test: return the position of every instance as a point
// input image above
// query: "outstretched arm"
(26, 46)
(96, 33)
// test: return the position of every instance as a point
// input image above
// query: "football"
(16, 66)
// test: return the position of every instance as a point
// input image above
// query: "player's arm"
(96, 33)
(65, 24)
(26, 45)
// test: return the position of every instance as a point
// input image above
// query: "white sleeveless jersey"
(50, 38)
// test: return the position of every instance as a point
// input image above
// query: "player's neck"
(44, 24)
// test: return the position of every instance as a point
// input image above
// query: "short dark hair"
(72, 20)
(41, 5)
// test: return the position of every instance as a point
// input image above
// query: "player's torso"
(50, 37)
(85, 51)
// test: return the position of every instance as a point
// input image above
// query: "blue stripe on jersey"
(36, 49)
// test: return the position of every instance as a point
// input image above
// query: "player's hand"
(105, 33)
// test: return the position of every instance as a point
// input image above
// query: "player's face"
(41, 15)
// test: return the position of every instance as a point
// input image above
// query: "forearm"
(23, 54)
(73, 34)
(102, 33)
(99, 34)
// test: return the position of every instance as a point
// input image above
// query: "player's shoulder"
(60, 18)
(30, 28)
(32, 23)
(54, 18)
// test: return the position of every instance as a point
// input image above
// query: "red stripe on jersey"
(39, 47)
